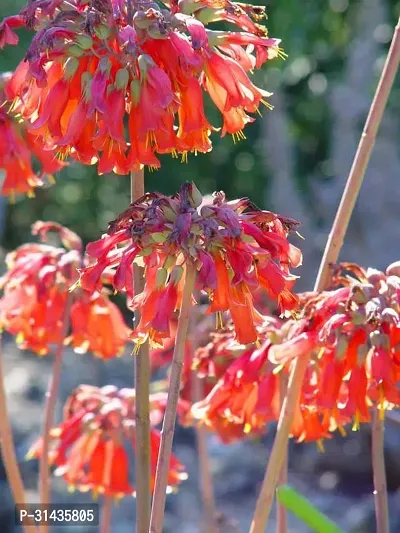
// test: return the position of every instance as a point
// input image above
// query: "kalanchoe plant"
(89, 447)
(92, 66)
(36, 288)
(20, 151)
(234, 247)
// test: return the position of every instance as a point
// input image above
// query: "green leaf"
(305, 511)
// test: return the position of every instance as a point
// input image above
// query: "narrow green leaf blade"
(305, 511)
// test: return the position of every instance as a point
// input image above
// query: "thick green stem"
(167, 436)
(7, 448)
(331, 255)
(378, 465)
(142, 388)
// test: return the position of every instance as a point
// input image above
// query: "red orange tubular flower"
(234, 246)
(18, 149)
(92, 66)
(350, 335)
(36, 287)
(90, 447)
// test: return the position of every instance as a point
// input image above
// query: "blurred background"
(294, 161)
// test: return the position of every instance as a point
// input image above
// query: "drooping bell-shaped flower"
(20, 152)
(36, 300)
(90, 447)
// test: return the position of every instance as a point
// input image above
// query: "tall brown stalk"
(7, 448)
(205, 476)
(281, 513)
(142, 388)
(378, 466)
(106, 511)
(51, 401)
(167, 434)
(331, 254)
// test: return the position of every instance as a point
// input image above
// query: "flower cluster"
(36, 303)
(16, 148)
(235, 248)
(89, 448)
(94, 66)
(246, 396)
(351, 337)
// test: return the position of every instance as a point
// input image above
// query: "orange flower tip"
(257, 343)
(320, 446)
(71, 488)
(342, 431)
(31, 193)
(51, 179)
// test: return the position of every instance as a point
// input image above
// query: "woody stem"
(142, 388)
(378, 465)
(281, 513)
(167, 434)
(106, 512)
(51, 400)
(331, 254)
(7, 449)
(205, 476)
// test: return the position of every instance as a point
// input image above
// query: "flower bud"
(159, 236)
(135, 89)
(176, 274)
(390, 316)
(195, 196)
(122, 79)
(144, 62)
(70, 67)
(75, 51)
(341, 347)
(84, 41)
(161, 277)
(169, 262)
(379, 340)
(141, 21)
(102, 31)
(362, 352)
(393, 269)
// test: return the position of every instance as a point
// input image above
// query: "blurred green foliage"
(316, 34)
